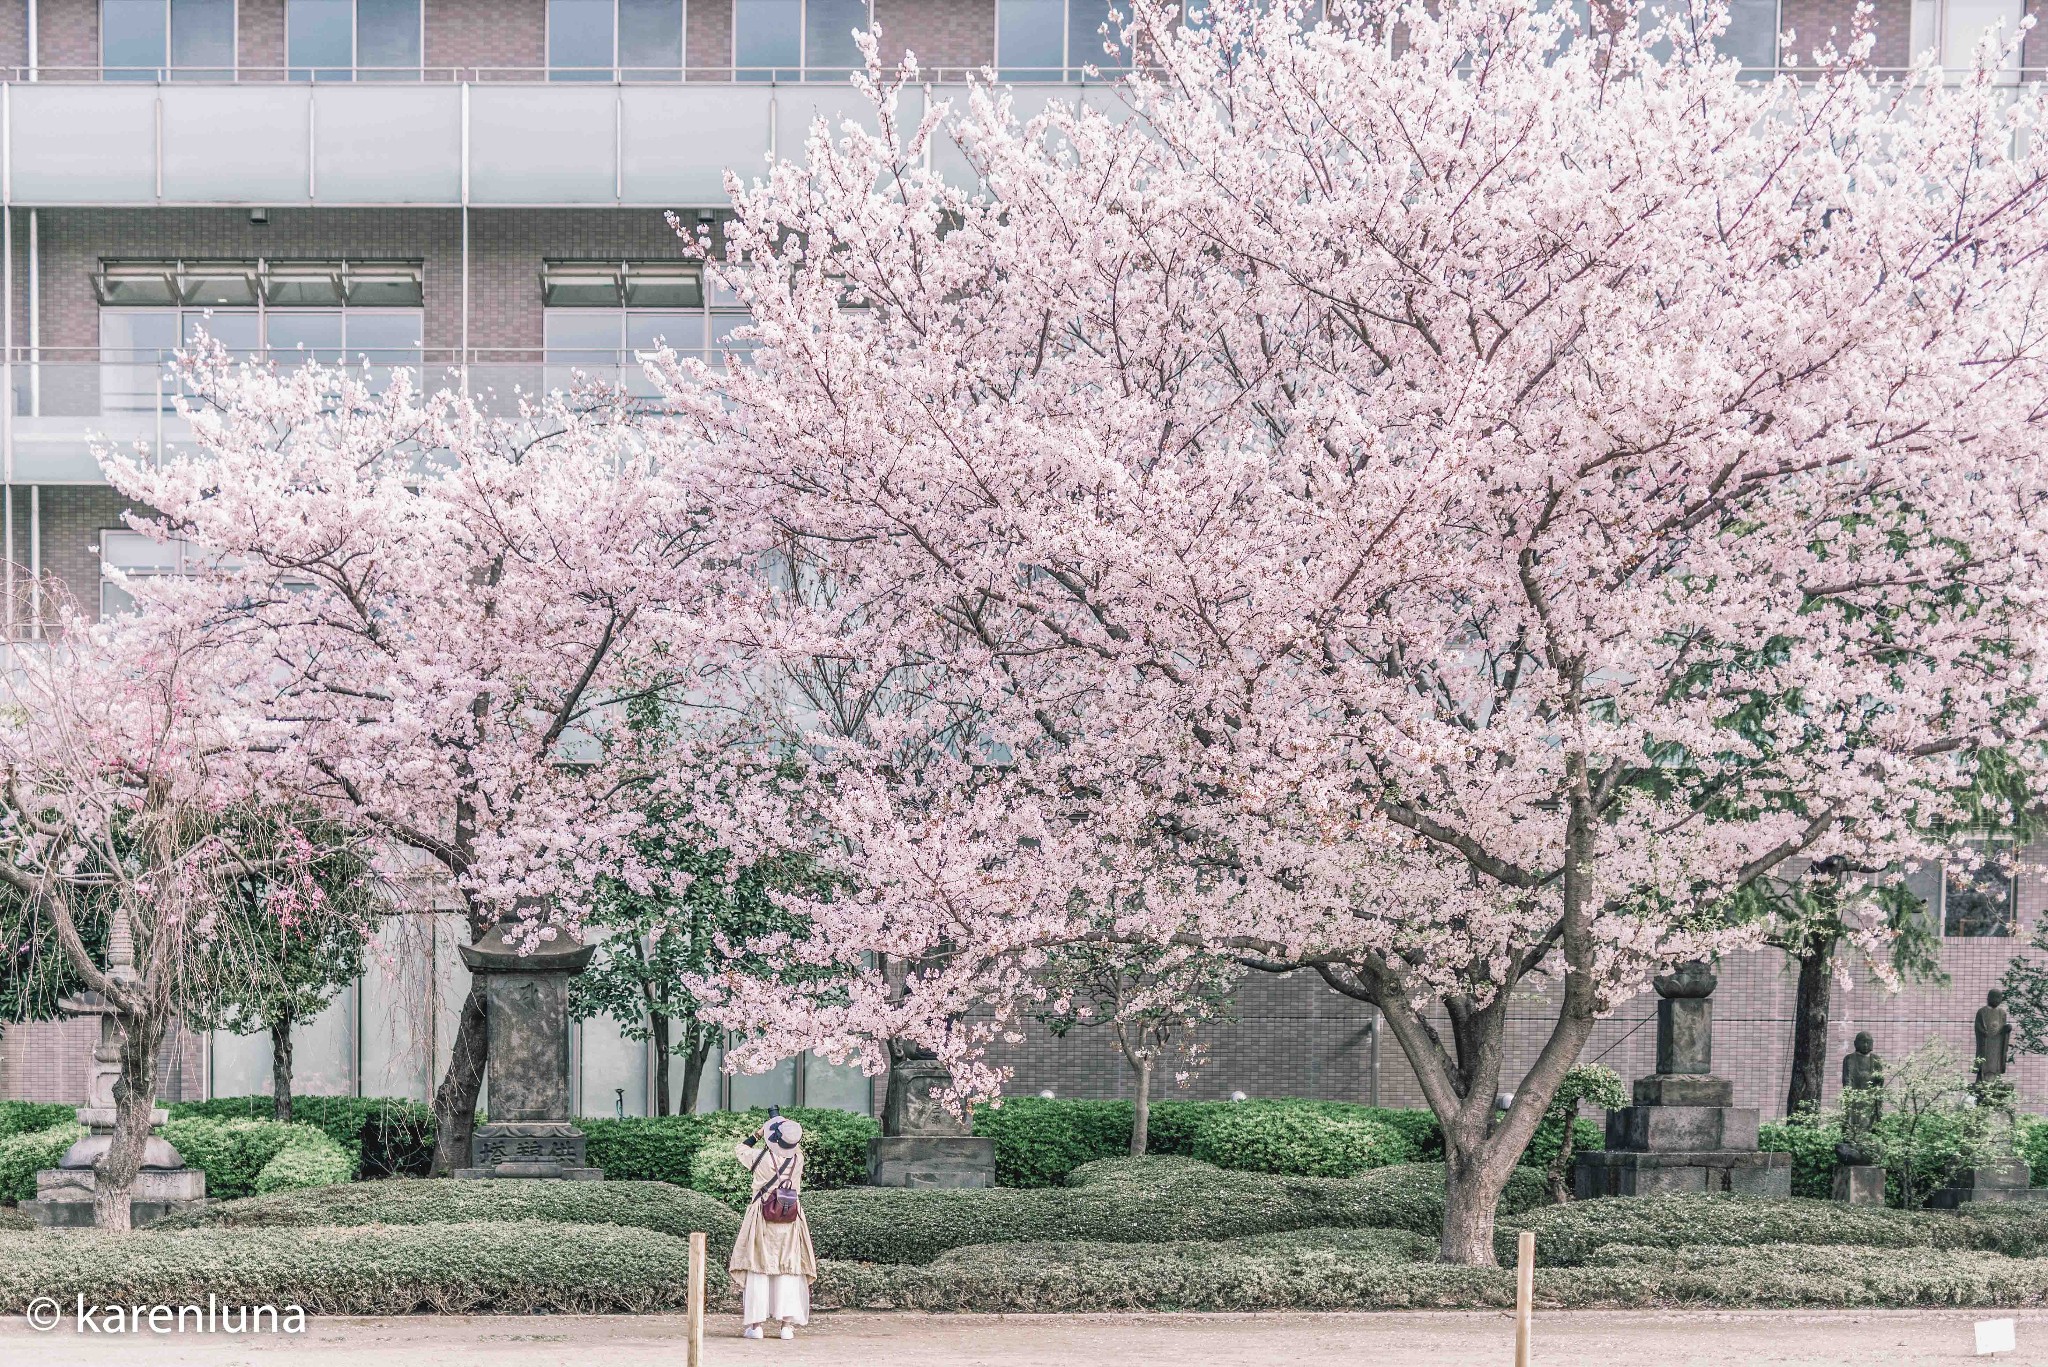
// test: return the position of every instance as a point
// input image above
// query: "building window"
(600, 315)
(1752, 36)
(287, 312)
(179, 40)
(131, 555)
(603, 40)
(1953, 28)
(1979, 894)
(1051, 40)
(789, 40)
(349, 40)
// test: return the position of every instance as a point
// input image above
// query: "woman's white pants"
(767, 1298)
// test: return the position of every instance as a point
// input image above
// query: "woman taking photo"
(772, 1262)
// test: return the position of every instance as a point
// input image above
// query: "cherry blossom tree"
(454, 608)
(1444, 498)
(127, 775)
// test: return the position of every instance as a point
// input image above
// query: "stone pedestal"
(64, 1196)
(1684, 1133)
(1859, 1184)
(924, 1143)
(530, 1133)
(932, 1161)
(2004, 1181)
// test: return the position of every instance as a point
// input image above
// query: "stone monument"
(1859, 1177)
(923, 1143)
(527, 998)
(163, 1185)
(1684, 1133)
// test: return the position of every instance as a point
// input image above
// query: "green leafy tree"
(1583, 1082)
(299, 942)
(1937, 1122)
(1154, 1000)
(661, 942)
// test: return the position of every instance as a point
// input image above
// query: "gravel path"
(1587, 1339)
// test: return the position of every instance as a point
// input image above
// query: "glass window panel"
(776, 1087)
(722, 340)
(1031, 39)
(1752, 36)
(651, 39)
(1964, 26)
(321, 39)
(132, 37)
(1085, 36)
(387, 39)
(767, 39)
(579, 40)
(203, 39)
(829, 48)
(241, 333)
(1978, 902)
(139, 332)
(582, 341)
(298, 334)
(212, 286)
(384, 338)
(647, 330)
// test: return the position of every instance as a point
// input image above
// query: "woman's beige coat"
(771, 1249)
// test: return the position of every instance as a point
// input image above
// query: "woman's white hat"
(785, 1133)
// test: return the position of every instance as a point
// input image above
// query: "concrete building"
(478, 188)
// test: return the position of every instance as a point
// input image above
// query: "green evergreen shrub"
(233, 1153)
(1812, 1146)
(644, 1149)
(22, 1156)
(12, 1219)
(32, 1117)
(1297, 1142)
(1571, 1234)
(835, 1152)
(2030, 1141)
(383, 1136)
(317, 1162)
(1039, 1141)
(1135, 1200)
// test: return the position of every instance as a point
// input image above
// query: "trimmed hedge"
(31, 1117)
(12, 1219)
(667, 1149)
(1297, 1143)
(299, 1166)
(1131, 1201)
(511, 1268)
(1038, 1142)
(656, 1207)
(382, 1136)
(234, 1153)
(23, 1155)
(1813, 1153)
(1571, 1235)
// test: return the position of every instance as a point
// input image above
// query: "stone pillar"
(164, 1185)
(1684, 1133)
(923, 1143)
(1859, 1184)
(530, 1133)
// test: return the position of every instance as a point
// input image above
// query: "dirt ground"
(1784, 1338)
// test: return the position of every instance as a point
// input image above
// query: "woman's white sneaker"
(788, 1332)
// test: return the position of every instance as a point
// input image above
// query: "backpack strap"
(772, 1183)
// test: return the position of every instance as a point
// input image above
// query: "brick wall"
(67, 34)
(1818, 23)
(943, 33)
(52, 1061)
(506, 248)
(260, 39)
(707, 39)
(505, 34)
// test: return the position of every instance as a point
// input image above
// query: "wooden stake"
(1525, 1293)
(697, 1299)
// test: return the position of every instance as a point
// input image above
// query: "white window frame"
(618, 68)
(803, 42)
(167, 71)
(355, 69)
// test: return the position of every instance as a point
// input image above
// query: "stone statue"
(1862, 1101)
(1994, 1036)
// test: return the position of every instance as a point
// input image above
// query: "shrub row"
(515, 1268)
(529, 1267)
(382, 1136)
(28, 1117)
(1145, 1200)
(654, 1206)
(696, 1150)
(1812, 1146)
(1039, 1141)
(23, 1155)
(243, 1157)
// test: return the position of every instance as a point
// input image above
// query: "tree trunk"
(1470, 1195)
(281, 1067)
(1141, 1110)
(698, 1054)
(1559, 1178)
(657, 1025)
(455, 1099)
(134, 1108)
(1810, 1025)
